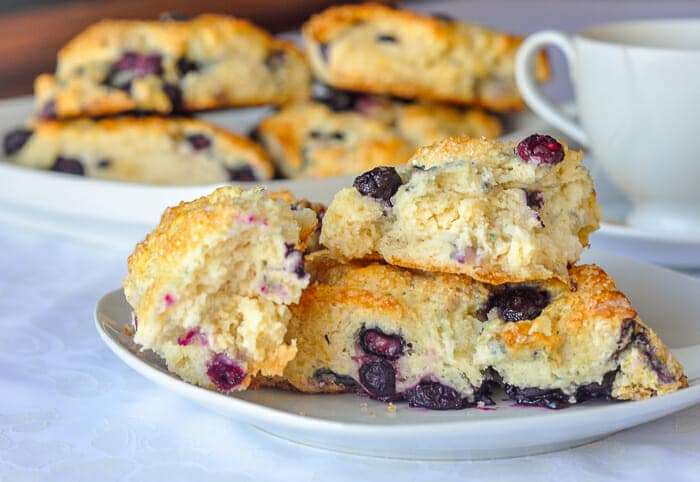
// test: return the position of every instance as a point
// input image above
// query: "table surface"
(70, 410)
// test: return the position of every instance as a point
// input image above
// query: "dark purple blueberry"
(327, 375)
(254, 134)
(324, 50)
(199, 141)
(173, 17)
(297, 259)
(174, 94)
(380, 183)
(627, 329)
(435, 396)
(641, 341)
(68, 165)
(442, 16)
(104, 163)
(375, 342)
(386, 38)
(597, 391)
(242, 174)
(378, 378)
(540, 149)
(224, 372)
(132, 65)
(185, 66)
(48, 112)
(516, 302)
(534, 199)
(275, 60)
(15, 140)
(337, 100)
(539, 397)
(492, 380)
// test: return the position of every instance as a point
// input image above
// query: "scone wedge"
(209, 62)
(498, 212)
(444, 341)
(378, 49)
(211, 286)
(152, 150)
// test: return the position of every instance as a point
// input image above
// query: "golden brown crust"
(425, 67)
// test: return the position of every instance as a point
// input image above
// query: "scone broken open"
(211, 285)
(498, 212)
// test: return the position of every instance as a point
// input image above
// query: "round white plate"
(121, 214)
(354, 424)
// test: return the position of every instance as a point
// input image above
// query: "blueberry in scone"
(445, 341)
(209, 62)
(498, 212)
(139, 149)
(211, 286)
(310, 140)
(551, 346)
(374, 48)
(393, 333)
(346, 133)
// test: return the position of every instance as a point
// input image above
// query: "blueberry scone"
(551, 346)
(390, 332)
(498, 212)
(140, 149)
(310, 140)
(374, 48)
(314, 139)
(444, 341)
(211, 286)
(211, 61)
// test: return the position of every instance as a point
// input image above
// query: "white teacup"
(637, 88)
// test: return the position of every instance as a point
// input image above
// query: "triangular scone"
(211, 285)
(170, 67)
(498, 212)
(442, 341)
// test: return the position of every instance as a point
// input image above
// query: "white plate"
(668, 301)
(121, 214)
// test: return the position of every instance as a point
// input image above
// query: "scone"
(140, 149)
(310, 140)
(211, 61)
(498, 212)
(393, 333)
(211, 286)
(314, 139)
(420, 122)
(551, 346)
(443, 341)
(374, 48)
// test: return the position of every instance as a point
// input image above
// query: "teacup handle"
(530, 89)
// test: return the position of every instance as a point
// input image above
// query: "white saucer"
(349, 423)
(122, 213)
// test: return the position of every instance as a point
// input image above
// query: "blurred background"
(34, 30)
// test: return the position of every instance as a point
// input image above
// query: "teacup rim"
(587, 34)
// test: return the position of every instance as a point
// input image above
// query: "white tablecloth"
(70, 410)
